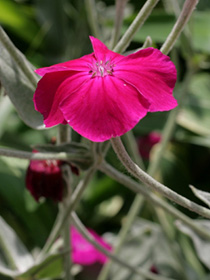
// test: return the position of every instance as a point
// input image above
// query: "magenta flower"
(85, 253)
(105, 94)
(44, 179)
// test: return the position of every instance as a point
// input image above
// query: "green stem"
(73, 202)
(64, 136)
(135, 208)
(153, 167)
(135, 25)
(38, 156)
(81, 228)
(6, 252)
(120, 6)
(18, 57)
(132, 147)
(137, 172)
(170, 126)
(92, 17)
(147, 43)
(186, 12)
(153, 198)
(66, 241)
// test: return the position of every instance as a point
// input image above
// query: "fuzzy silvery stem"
(137, 172)
(73, 202)
(135, 25)
(120, 6)
(36, 156)
(81, 228)
(64, 137)
(92, 17)
(153, 167)
(186, 12)
(64, 134)
(18, 57)
(157, 201)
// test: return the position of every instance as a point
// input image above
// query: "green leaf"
(202, 246)
(17, 85)
(14, 250)
(145, 246)
(51, 266)
(27, 224)
(195, 114)
(204, 196)
(19, 19)
(21, 262)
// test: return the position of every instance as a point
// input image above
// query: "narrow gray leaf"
(202, 246)
(204, 196)
(15, 249)
(18, 87)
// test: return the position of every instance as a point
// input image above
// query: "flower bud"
(44, 179)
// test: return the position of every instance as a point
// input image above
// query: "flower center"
(101, 69)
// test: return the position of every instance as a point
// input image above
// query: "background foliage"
(49, 32)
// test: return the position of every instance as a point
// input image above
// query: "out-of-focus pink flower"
(105, 94)
(85, 253)
(145, 143)
(154, 269)
(44, 179)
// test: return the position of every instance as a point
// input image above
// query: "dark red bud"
(44, 179)
(154, 269)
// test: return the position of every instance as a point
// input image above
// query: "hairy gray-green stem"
(186, 12)
(81, 228)
(150, 196)
(137, 172)
(135, 25)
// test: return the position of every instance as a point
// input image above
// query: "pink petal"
(102, 53)
(80, 64)
(47, 96)
(104, 107)
(85, 253)
(153, 74)
(101, 257)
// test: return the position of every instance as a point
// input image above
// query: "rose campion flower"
(104, 94)
(85, 253)
(44, 179)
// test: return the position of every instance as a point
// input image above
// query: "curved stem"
(92, 17)
(153, 167)
(153, 198)
(137, 172)
(120, 6)
(81, 228)
(186, 12)
(37, 156)
(64, 133)
(62, 218)
(135, 25)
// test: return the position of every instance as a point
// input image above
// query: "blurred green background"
(53, 31)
